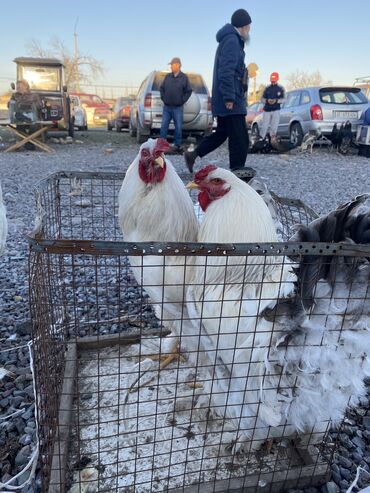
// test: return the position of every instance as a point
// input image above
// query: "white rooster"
(155, 206)
(3, 223)
(279, 368)
(230, 292)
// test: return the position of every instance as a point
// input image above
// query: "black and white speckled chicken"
(346, 131)
(260, 145)
(336, 136)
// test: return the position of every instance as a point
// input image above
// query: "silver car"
(146, 110)
(318, 108)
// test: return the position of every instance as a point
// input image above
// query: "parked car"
(146, 111)
(253, 110)
(314, 108)
(97, 110)
(79, 113)
(364, 84)
(120, 116)
(46, 79)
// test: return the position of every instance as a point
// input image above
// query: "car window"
(97, 100)
(41, 78)
(292, 100)
(305, 97)
(196, 82)
(142, 87)
(342, 96)
(121, 102)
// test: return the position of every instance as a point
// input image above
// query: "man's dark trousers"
(233, 127)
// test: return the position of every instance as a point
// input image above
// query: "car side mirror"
(65, 89)
(12, 85)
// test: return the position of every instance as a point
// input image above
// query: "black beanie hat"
(241, 18)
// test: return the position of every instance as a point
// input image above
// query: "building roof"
(38, 61)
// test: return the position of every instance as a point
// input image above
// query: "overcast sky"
(134, 37)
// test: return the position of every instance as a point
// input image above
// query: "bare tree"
(300, 78)
(80, 69)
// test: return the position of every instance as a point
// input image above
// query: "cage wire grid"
(110, 417)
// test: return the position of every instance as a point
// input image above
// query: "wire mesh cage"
(206, 386)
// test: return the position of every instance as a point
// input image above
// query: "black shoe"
(190, 157)
(175, 149)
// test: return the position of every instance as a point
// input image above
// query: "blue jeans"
(174, 113)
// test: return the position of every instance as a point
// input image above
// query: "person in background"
(273, 97)
(175, 91)
(230, 78)
(26, 104)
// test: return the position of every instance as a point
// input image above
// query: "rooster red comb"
(161, 146)
(204, 172)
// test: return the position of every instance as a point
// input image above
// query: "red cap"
(274, 77)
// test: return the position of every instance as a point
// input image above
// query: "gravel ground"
(323, 180)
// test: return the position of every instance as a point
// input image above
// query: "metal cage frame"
(53, 343)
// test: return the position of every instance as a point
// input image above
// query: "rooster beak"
(159, 161)
(192, 185)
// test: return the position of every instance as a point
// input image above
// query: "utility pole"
(76, 57)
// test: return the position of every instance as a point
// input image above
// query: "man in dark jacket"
(228, 94)
(175, 91)
(273, 97)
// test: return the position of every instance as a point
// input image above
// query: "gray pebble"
(25, 440)
(23, 456)
(337, 477)
(344, 484)
(344, 462)
(4, 403)
(331, 487)
(359, 442)
(345, 473)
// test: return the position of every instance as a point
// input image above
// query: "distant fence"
(106, 91)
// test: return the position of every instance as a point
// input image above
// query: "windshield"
(88, 99)
(342, 96)
(196, 82)
(41, 78)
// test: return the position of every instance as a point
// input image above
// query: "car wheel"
(109, 127)
(296, 134)
(140, 136)
(131, 129)
(71, 127)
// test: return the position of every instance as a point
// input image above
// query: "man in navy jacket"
(228, 94)
(175, 91)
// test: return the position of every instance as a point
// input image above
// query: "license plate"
(346, 115)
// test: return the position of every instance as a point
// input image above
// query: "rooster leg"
(169, 358)
(268, 445)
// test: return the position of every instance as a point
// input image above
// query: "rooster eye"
(144, 153)
(216, 181)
